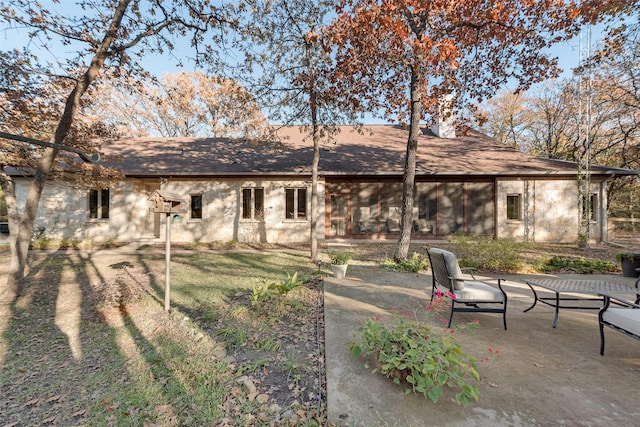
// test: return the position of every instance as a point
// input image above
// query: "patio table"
(584, 287)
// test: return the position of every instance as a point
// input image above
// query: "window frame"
(192, 199)
(99, 204)
(255, 203)
(518, 206)
(593, 202)
(300, 208)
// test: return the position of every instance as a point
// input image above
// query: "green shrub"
(578, 265)
(338, 257)
(487, 253)
(413, 265)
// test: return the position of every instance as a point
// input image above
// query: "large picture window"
(253, 203)
(296, 203)
(196, 206)
(99, 204)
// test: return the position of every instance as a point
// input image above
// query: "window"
(514, 210)
(196, 206)
(99, 204)
(253, 203)
(4, 214)
(296, 203)
(593, 205)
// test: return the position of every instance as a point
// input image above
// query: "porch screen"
(364, 202)
(479, 208)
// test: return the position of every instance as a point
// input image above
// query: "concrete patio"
(541, 376)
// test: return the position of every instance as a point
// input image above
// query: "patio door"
(339, 216)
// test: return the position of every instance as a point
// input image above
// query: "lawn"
(90, 343)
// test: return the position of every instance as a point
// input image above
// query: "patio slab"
(540, 376)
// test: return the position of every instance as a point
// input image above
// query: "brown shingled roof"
(378, 151)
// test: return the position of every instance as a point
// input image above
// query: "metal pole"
(167, 273)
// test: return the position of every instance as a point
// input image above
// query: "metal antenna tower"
(584, 138)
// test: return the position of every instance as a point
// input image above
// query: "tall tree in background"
(283, 52)
(407, 56)
(111, 35)
(184, 104)
(505, 118)
(549, 124)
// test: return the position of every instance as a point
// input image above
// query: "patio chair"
(625, 318)
(469, 295)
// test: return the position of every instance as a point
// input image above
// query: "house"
(234, 190)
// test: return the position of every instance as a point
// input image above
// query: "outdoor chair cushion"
(475, 291)
(624, 318)
(453, 267)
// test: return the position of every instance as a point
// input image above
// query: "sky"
(568, 52)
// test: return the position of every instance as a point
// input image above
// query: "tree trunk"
(408, 179)
(21, 227)
(314, 190)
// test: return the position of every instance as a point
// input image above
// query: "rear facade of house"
(234, 191)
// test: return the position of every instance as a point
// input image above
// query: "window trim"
(518, 216)
(96, 196)
(296, 204)
(256, 206)
(191, 209)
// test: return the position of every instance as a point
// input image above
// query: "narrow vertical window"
(290, 199)
(593, 206)
(99, 204)
(196, 206)
(104, 203)
(246, 203)
(258, 204)
(514, 210)
(295, 203)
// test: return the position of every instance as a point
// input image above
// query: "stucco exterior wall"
(64, 212)
(549, 210)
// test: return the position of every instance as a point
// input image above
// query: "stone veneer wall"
(549, 210)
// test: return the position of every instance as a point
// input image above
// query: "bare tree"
(110, 36)
(184, 104)
(283, 48)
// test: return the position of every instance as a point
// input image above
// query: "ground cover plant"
(90, 343)
(418, 355)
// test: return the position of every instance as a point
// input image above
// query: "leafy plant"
(412, 265)
(579, 265)
(625, 255)
(266, 290)
(338, 257)
(418, 358)
(487, 253)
